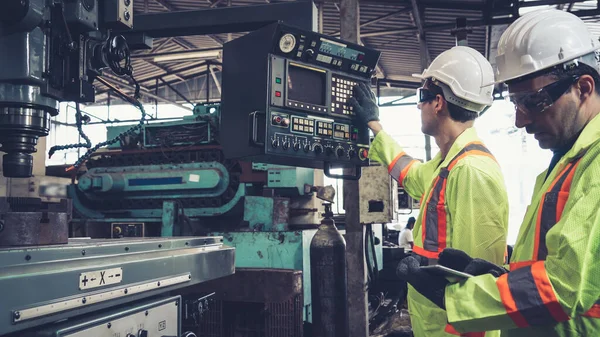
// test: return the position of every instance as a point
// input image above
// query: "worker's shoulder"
(481, 166)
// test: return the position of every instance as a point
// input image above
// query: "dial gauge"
(287, 43)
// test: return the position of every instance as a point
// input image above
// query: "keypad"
(303, 125)
(324, 128)
(341, 91)
(341, 131)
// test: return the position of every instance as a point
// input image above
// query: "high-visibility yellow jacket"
(464, 205)
(553, 287)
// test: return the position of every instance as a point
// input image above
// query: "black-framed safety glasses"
(536, 102)
(426, 95)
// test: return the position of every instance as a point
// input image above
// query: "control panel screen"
(340, 50)
(306, 84)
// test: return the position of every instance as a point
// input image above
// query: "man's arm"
(478, 204)
(409, 238)
(564, 286)
(402, 167)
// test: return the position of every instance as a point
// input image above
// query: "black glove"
(364, 103)
(430, 285)
(461, 261)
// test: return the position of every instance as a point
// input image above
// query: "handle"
(254, 139)
(327, 171)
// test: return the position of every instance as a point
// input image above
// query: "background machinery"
(50, 284)
(244, 170)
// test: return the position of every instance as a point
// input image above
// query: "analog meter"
(287, 43)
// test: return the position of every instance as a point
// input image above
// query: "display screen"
(340, 50)
(306, 85)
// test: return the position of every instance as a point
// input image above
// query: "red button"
(277, 93)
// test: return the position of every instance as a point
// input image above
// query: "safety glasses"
(425, 95)
(536, 102)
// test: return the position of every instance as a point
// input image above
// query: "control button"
(318, 148)
(285, 122)
(142, 333)
(363, 154)
(296, 147)
(340, 152)
(276, 119)
(286, 145)
(329, 150)
(278, 80)
(306, 147)
(277, 93)
(351, 153)
(275, 143)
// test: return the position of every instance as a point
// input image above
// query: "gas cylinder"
(328, 280)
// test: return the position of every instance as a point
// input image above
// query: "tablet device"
(451, 274)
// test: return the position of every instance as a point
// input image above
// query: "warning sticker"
(100, 278)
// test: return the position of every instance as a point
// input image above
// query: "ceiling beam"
(416, 16)
(379, 19)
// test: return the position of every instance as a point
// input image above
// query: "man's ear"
(439, 104)
(586, 86)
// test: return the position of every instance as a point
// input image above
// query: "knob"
(351, 153)
(142, 333)
(296, 146)
(285, 122)
(363, 154)
(286, 145)
(318, 148)
(310, 52)
(275, 143)
(306, 147)
(329, 150)
(340, 152)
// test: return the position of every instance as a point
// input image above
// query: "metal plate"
(33, 277)
(157, 318)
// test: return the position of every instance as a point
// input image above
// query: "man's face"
(555, 126)
(428, 116)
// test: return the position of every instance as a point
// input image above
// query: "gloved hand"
(430, 285)
(461, 261)
(364, 103)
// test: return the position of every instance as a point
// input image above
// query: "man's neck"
(448, 134)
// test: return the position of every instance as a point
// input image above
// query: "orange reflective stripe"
(521, 264)
(434, 220)
(594, 311)
(551, 208)
(450, 329)
(425, 253)
(404, 172)
(509, 302)
(442, 223)
(529, 298)
(393, 163)
(546, 292)
(400, 166)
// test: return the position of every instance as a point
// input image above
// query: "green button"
(277, 80)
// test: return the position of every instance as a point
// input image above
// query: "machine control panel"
(306, 120)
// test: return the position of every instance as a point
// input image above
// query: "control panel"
(306, 120)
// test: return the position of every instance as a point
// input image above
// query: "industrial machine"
(285, 94)
(50, 284)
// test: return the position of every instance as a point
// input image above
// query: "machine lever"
(327, 171)
(254, 139)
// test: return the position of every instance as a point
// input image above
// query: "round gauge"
(287, 43)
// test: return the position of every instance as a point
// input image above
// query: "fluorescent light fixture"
(205, 55)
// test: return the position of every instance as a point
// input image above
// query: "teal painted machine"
(172, 179)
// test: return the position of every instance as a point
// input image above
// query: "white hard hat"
(465, 72)
(539, 40)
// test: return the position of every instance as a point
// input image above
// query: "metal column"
(355, 232)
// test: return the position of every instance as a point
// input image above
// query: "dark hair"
(457, 113)
(560, 73)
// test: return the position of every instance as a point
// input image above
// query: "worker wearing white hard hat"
(464, 202)
(552, 287)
